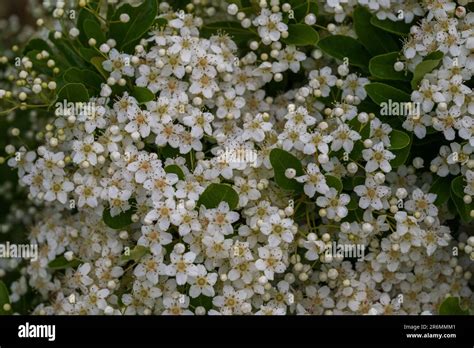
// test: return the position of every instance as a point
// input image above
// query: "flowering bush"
(248, 157)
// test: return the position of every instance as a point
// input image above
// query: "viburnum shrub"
(240, 157)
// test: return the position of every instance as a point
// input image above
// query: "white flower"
(202, 283)
(87, 150)
(150, 267)
(118, 64)
(278, 230)
(289, 58)
(335, 206)
(371, 194)
(270, 25)
(154, 238)
(230, 301)
(221, 219)
(139, 122)
(200, 123)
(270, 261)
(149, 77)
(88, 192)
(182, 267)
(314, 181)
(57, 188)
(344, 137)
(423, 203)
(255, 129)
(377, 157)
(427, 95)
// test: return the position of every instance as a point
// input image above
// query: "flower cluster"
(324, 206)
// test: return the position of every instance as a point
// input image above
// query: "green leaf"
(88, 77)
(238, 34)
(451, 306)
(457, 186)
(66, 48)
(120, 221)
(430, 62)
(398, 28)
(73, 92)
(60, 262)
(97, 62)
(353, 203)
(441, 187)
(87, 53)
(216, 193)
(4, 298)
(135, 254)
(93, 30)
(301, 35)
(81, 18)
(175, 169)
(36, 44)
(381, 66)
(303, 7)
(141, 19)
(398, 140)
(334, 182)
(401, 155)
(374, 39)
(143, 94)
(168, 152)
(281, 160)
(340, 47)
(457, 194)
(380, 93)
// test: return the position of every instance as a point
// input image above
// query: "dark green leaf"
(135, 254)
(81, 18)
(399, 28)
(451, 306)
(93, 30)
(66, 48)
(340, 47)
(457, 194)
(216, 193)
(303, 7)
(97, 62)
(240, 35)
(301, 35)
(441, 187)
(401, 155)
(36, 44)
(381, 66)
(375, 40)
(60, 262)
(141, 19)
(281, 160)
(120, 221)
(430, 62)
(4, 298)
(143, 94)
(353, 203)
(88, 77)
(334, 182)
(380, 93)
(398, 140)
(74, 92)
(173, 168)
